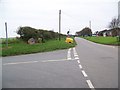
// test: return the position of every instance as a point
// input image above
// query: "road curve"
(100, 63)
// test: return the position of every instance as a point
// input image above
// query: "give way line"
(28, 62)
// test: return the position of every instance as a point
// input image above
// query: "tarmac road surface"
(88, 65)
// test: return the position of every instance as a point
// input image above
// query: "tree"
(114, 23)
(27, 32)
(115, 26)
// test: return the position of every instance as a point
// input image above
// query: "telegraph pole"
(59, 24)
(6, 34)
(90, 24)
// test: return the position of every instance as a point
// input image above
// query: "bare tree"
(114, 23)
(115, 27)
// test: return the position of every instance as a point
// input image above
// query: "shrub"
(27, 32)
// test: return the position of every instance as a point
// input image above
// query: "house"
(111, 32)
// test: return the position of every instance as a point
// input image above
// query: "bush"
(27, 32)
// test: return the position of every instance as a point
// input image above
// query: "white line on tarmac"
(56, 60)
(37, 61)
(69, 58)
(76, 58)
(20, 62)
(84, 74)
(69, 54)
(69, 49)
(75, 55)
(90, 84)
(80, 66)
(78, 61)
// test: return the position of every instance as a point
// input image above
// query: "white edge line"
(84, 74)
(89, 83)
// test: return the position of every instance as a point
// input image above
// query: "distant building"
(111, 32)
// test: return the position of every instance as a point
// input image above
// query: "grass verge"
(23, 48)
(104, 40)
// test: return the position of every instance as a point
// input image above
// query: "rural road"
(88, 65)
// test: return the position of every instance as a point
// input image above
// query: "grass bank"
(23, 48)
(104, 40)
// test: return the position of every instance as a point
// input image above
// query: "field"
(104, 40)
(17, 47)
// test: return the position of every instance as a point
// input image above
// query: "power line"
(70, 16)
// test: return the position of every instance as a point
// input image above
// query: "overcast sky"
(43, 14)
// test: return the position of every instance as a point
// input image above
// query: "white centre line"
(80, 66)
(84, 74)
(78, 61)
(90, 84)
(76, 57)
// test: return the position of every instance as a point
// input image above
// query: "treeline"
(38, 34)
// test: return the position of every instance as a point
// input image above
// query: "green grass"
(23, 48)
(103, 40)
(10, 40)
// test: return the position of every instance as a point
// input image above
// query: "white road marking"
(37, 61)
(90, 84)
(56, 60)
(69, 54)
(75, 55)
(80, 66)
(113, 46)
(78, 61)
(69, 58)
(69, 49)
(74, 51)
(84, 74)
(20, 62)
(76, 58)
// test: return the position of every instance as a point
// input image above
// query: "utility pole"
(90, 24)
(59, 24)
(6, 34)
